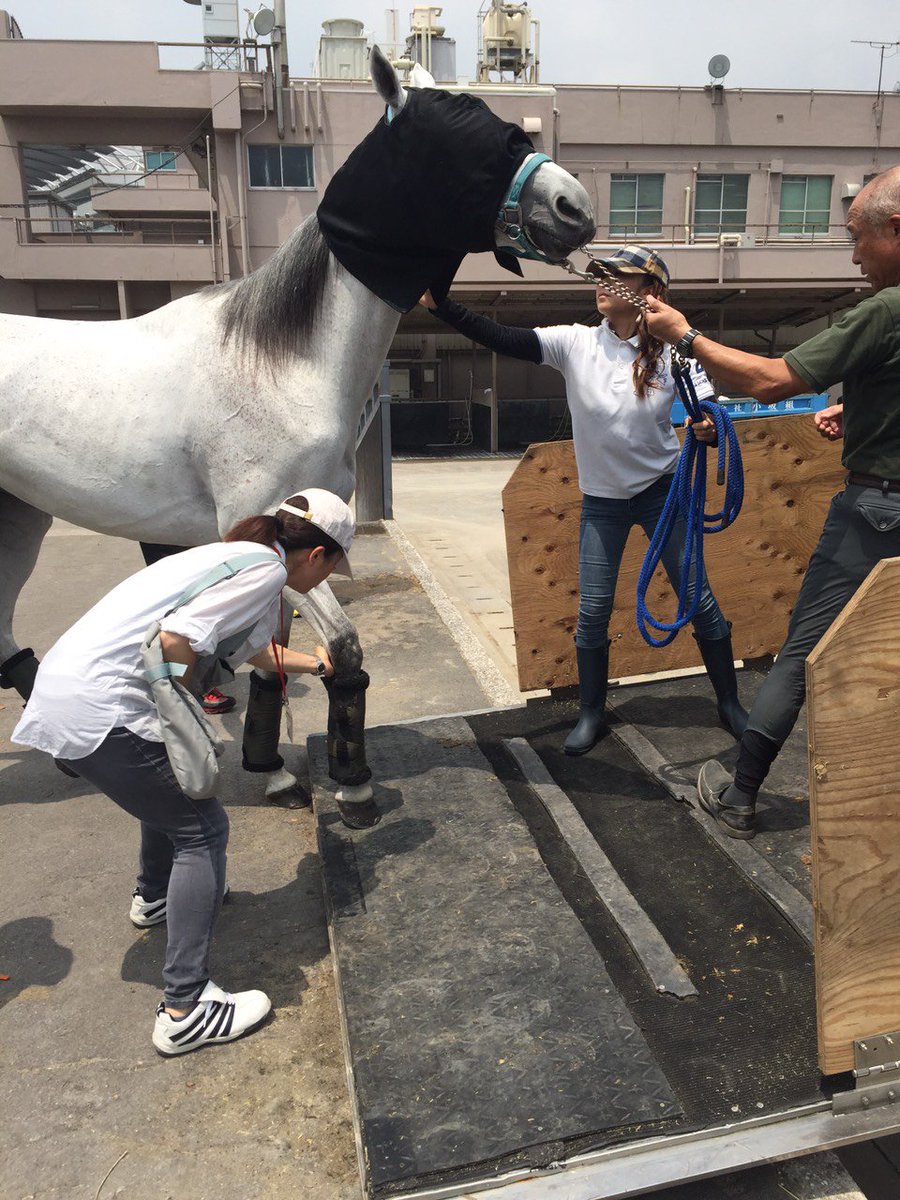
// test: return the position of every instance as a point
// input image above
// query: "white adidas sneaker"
(218, 1016)
(145, 913)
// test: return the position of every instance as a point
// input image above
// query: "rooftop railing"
(728, 234)
(214, 56)
(143, 231)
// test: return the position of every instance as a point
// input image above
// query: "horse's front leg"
(347, 764)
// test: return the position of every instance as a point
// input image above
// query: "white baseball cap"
(329, 513)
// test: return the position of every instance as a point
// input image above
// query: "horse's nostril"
(567, 210)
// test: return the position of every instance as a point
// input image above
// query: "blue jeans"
(605, 525)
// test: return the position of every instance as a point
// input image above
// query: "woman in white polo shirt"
(620, 390)
(92, 709)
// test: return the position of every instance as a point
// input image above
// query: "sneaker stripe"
(222, 1019)
(199, 1019)
(199, 1030)
(228, 1020)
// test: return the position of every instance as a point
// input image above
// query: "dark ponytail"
(294, 533)
(646, 366)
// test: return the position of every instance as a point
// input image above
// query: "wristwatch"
(319, 668)
(684, 343)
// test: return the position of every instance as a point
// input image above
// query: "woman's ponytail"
(645, 371)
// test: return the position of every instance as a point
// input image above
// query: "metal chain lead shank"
(610, 283)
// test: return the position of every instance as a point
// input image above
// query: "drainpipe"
(687, 214)
(210, 183)
(281, 75)
(242, 208)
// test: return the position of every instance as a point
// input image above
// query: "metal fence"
(248, 56)
(131, 231)
(776, 233)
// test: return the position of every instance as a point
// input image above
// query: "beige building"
(743, 192)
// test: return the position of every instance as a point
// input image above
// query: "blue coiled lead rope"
(687, 496)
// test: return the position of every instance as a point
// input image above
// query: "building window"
(635, 204)
(161, 160)
(281, 166)
(720, 205)
(805, 204)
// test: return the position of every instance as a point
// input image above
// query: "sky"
(771, 43)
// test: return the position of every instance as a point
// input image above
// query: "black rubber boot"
(262, 726)
(718, 658)
(19, 671)
(593, 677)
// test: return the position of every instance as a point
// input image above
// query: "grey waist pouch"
(191, 742)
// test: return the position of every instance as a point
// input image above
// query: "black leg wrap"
(19, 671)
(262, 727)
(347, 729)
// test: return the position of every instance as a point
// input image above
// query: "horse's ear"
(420, 78)
(386, 80)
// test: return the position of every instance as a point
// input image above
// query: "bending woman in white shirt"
(620, 390)
(92, 709)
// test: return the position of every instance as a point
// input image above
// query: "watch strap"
(684, 343)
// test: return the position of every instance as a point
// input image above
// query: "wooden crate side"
(853, 698)
(755, 567)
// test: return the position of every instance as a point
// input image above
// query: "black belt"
(874, 481)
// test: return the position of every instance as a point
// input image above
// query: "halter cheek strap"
(509, 219)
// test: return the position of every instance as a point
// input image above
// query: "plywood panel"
(755, 567)
(853, 685)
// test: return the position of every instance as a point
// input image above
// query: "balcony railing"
(772, 234)
(144, 231)
(251, 57)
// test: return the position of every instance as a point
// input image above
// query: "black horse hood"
(420, 193)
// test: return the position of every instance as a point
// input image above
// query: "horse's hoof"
(356, 806)
(283, 788)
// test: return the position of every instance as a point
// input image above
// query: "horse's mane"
(272, 313)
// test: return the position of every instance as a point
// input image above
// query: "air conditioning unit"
(849, 191)
(737, 240)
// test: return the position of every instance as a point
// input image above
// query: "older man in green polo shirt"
(862, 349)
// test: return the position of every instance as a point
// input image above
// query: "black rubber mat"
(678, 716)
(746, 1044)
(481, 1025)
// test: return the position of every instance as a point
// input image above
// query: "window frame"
(282, 187)
(633, 229)
(171, 165)
(723, 225)
(806, 227)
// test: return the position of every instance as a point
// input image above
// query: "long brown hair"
(294, 533)
(645, 371)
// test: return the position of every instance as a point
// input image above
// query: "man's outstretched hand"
(830, 422)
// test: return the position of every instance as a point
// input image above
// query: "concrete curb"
(490, 679)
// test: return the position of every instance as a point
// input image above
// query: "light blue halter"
(509, 219)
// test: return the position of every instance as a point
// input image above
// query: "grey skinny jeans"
(182, 852)
(862, 527)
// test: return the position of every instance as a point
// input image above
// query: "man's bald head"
(879, 200)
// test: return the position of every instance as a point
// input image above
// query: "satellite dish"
(264, 22)
(719, 66)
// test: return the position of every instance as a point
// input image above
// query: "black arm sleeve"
(504, 339)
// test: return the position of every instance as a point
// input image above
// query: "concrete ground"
(89, 1111)
(80, 1085)
(451, 512)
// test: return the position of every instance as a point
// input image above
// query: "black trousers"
(862, 527)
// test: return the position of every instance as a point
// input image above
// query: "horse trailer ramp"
(549, 969)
